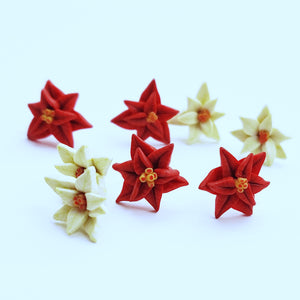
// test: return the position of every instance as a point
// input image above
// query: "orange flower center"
(47, 115)
(263, 136)
(79, 201)
(152, 117)
(241, 184)
(148, 176)
(79, 171)
(203, 115)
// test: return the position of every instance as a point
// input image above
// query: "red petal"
(63, 133)
(245, 168)
(228, 162)
(151, 104)
(134, 106)
(161, 158)
(224, 186)
(247, 196)
(258, 161)
(119, 120)
(62, 117)
(67, 102)
(127, 171)
(137, 142)
(80, 122)
(38, 129)
(257, 183)
(165, 113)
(125, 192)
(159, 131)
(175, 183)
(141, 162)
(223, 203)
(143, 132)
(154, 197)
(151, 88)
(136, 119)
(213, 175)
(165, 175)
(53, 91)
(47, 101)
(35, 108)
(243, 207)
(140, 190)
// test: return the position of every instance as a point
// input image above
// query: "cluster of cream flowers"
(82, 197)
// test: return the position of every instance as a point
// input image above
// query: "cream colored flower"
(76, 162)
(81, 202)
(259, 136)
(200, 116)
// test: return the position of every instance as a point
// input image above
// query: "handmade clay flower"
(148, 116)
(55, 115)
(235, 182)
(148, 174)
(199, 116)
(81, 202)
(76, 162)
(259, 136)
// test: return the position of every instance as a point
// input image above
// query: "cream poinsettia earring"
(200, 116)
(259, 136)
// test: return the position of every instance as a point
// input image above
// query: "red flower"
(148, 116)
(235, 182)
(55, 114)
(148, 174)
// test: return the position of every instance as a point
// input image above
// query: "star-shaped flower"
(148, 174)
(148, 116)
(259, 136)
(55, 115)
(76, 162)
(235, 182)
(81, 202)
(199, 116)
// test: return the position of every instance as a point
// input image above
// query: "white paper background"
(109, 51)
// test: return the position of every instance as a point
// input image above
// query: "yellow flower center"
(152, 117)
(79, 201)
(79, 171)
(48, 115)
(148, 176)
(203, 115)
(263, 136)
(241, 184)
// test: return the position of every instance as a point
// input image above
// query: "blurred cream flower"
(76, 162)
(81, 202)
(259, 136)
(200, 116)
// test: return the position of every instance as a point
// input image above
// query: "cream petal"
(250, 126)
(214, 132)
(96, 212)
(216, 115)
(210, 105)
(251, 144)
(75, 219)
(175, 121)
(86, 182)
(277, 136)
(68, 169)
(240, 134)
(66, 195)
(81, 157)
(203, 94)
(189, 118)
(89, 228)
(207, 128)
(93, 200)
(270, 149)
(66, 153)
(53, 183)
(194, 105)
(279, 152)
(266, 124)
(264, 113)
(194, 133)
(62, 214)
(101, 164)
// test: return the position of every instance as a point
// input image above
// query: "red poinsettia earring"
(55, 115)
(148, 175)
(235, 182)
(148, 116)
